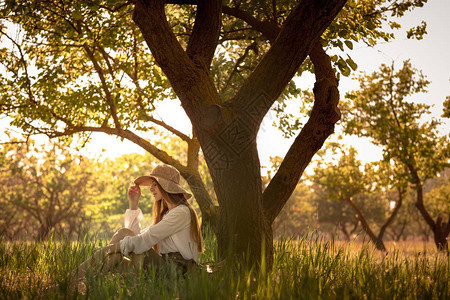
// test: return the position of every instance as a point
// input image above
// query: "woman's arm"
(134, 193)
(176, 219)
(133, 215)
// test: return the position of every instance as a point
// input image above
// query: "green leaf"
(76, 15)
(343, 33)
(341, 62)
(346, 71)
(342, 65)
(349, 44)
(352, 64)
(371, 25)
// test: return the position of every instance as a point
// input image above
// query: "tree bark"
(205, 33)
(243, 229)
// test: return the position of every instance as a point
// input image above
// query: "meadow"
(302, 269)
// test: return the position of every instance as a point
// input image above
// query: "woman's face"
(156, 191)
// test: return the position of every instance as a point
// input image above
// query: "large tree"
(225, 114)
(382, 111)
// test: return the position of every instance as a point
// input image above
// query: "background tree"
(12, 222)
(381, 111)
(356, 185)
(43, 191)
(392, 187)
(336, 213)
(299, 216)
(225, 125)
(406, 225)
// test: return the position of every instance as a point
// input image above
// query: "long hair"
(160, 209)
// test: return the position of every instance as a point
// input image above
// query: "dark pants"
(152, 258)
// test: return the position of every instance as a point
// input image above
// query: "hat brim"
(167, 185)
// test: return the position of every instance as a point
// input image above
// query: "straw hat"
(167, 176)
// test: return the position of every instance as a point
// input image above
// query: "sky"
(431, 55)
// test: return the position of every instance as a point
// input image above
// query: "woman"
(173, 236)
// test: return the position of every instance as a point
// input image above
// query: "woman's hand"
(134, 193)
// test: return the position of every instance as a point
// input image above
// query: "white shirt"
(172, 234)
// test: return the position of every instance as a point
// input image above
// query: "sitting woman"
(173, 236)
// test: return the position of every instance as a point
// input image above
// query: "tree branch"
(29, 85)
(310, 139)
(378, 243)
(389, 221)
(253, 46)
(150, 118)
(269, 29)
(419, 201)
(178, 133)
(161, 123)
(205, 34)
(105, 87)
(150, 17)
(301, 30)
(134, 78)
(25, 67)
(28, 81)
(127, 134)
(106, 58)
(191, 82)
(117, 7)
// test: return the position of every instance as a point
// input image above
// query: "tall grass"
(302, 269)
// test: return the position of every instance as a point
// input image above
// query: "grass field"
(302, 269)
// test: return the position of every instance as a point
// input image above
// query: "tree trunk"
(440, 230)
(344, 231)
(401, 233)
(441, 234)
(208, 209)
(355, 226)
(378, 243)
(43, 232)
(396, 236)
(389, 221)
(243, 231)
